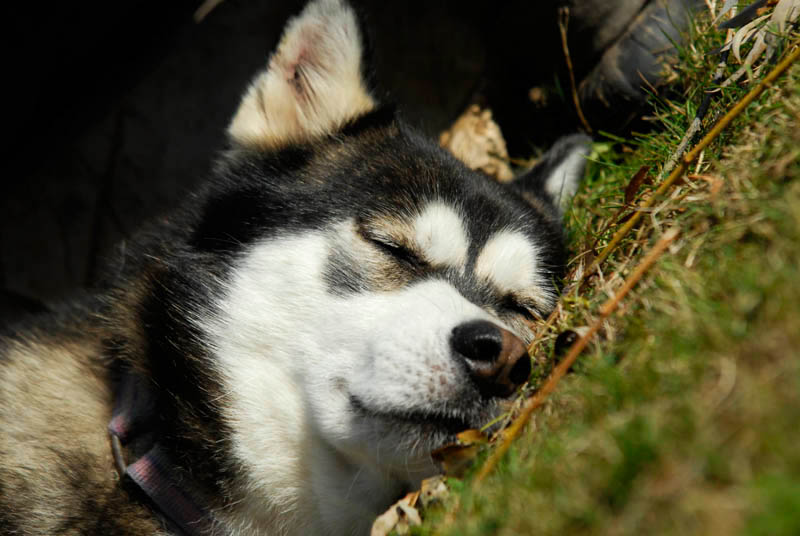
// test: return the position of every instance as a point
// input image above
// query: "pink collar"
(179, 502)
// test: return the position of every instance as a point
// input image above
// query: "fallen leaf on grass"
(635, 183)
(400, 517)
(456, 457)
(433, 490)
(476, 140)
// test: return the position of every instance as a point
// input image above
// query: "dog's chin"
(424, 429)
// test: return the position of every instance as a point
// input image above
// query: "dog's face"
(380, 294)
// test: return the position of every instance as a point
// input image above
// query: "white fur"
(511, 262)
(440, 235)
(563, 182)
(292, 354)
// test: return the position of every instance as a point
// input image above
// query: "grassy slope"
(684, 417)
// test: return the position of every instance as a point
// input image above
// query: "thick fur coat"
(340, 298)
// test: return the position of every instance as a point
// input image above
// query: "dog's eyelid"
(396, 247)
(380, 237)
(384, 239)
(523, 306)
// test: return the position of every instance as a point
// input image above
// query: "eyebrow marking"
(440, 235)
(510, 261)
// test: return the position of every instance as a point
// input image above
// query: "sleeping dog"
(283, 353)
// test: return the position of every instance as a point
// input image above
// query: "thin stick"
(686, 161)
(697, 122)
(549, 386)
(563, 22)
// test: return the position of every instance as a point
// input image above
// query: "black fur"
(371, 169)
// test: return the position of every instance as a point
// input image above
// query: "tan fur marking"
(55, 405)
(313, 83)
(436, 235)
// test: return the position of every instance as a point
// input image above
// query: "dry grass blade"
(766, 31)
(785, 13)
(563, 23)
(697, 122)
(687, 160)
(513, 431)
(744, 34)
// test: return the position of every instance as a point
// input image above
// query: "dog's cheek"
(349, 273)
(409, 363)
(354, 266)
(388, 276)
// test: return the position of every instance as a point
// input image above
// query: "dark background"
(117, 108)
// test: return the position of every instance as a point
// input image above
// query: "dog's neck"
(353, 494)
(350, 493)
(180, 502)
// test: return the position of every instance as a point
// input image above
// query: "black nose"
(497, 360)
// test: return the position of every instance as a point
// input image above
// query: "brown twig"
(687, 159)
(697, 122)
(549, 386)
(563, 23)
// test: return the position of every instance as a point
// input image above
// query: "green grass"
(683, 417)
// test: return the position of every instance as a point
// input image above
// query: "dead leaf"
(400, 517)
(786, 12)
(477, 141)
(635, 183)
(433, 490)
(456, 457)
(471, 437)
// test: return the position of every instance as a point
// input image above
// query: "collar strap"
(179, 501)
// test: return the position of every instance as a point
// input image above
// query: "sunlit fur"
(292, 320)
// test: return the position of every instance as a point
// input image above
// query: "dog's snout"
(497, 360)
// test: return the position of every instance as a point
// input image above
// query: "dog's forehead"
(379, 172)
(447, 233)
(409, 175)
(413, 193)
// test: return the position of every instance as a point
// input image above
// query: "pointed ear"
(558, 173)
(313, 83)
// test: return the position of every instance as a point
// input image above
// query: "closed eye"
(393, 248)
(399, 252)
(529, 311)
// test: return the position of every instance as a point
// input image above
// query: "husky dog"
(282, 354)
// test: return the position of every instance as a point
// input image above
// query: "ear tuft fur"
(558, 173)
(313, 84)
